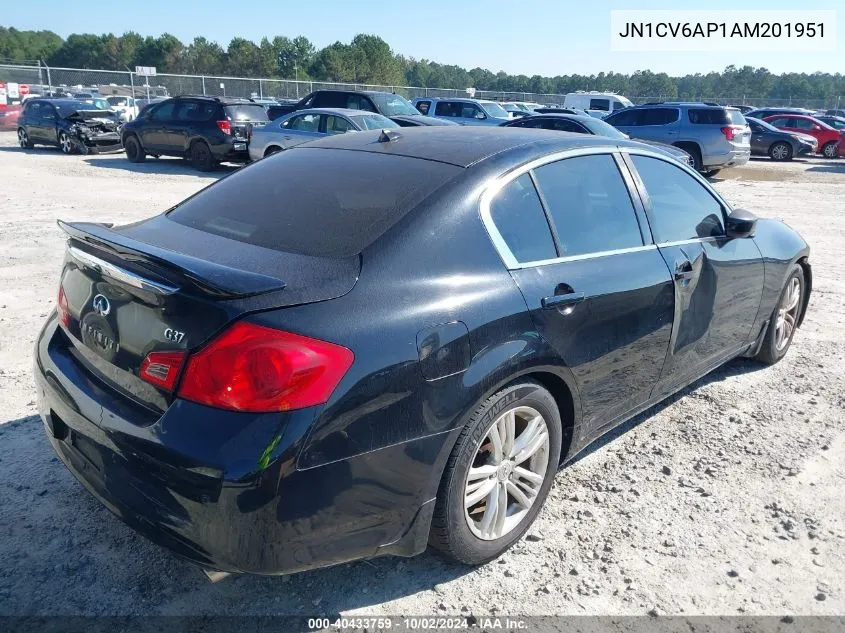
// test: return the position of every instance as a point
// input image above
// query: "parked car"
(835, 112)
(72, 126)
(586, 124)
(206, 130)
(514, 111)
(767, 140)
(745, 109)
(393, 106)
(302, 126)
(280, 108)
(762, 113)
(836, 122)
(230, 380)
(598, 104)
(125, 107)
(827, 136)
(558, 110)
(715, 136)
(9, 115)
(463, 111)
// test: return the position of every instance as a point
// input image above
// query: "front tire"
(498, 475)
(65, 143)
(831, 150)
(780, 151)
(273, 149)
(784, 319)
(201, 156)
(23, 139)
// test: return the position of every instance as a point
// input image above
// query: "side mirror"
(740, 223)
(480, 115)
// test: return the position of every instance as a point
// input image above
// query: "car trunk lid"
(159, 286)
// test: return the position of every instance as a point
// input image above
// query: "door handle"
(561, 301)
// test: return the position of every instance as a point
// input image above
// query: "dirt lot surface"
(728, 499)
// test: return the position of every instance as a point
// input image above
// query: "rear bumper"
(229, 150)
(732, 158)
(222, 489)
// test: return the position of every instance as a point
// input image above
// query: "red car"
(9, 116)
(829, 138)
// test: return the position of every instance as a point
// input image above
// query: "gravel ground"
(727, 499)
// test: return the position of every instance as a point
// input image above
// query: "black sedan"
(586, 124)
(375, 342)
(767, 140)
(72, 126)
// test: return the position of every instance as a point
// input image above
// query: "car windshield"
(314, 201)
(102, 104)
(494, 109)
(600, 128)
(373, 122)
(66, 109)
(246, 112)
(393, 105)
(118, 101)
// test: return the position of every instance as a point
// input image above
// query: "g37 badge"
(174, 336)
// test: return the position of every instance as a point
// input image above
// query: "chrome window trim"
(497, 184)
(121, 274)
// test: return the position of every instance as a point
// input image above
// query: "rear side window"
(710, 116)
(780, 121)
(246, 112)
(589, 204)
(519, 217)
(314, 201)
(736, 117)
(600, 104)
(196, 111)
(447, 108)
(681, 208)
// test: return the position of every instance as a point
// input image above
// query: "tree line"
(368, 59)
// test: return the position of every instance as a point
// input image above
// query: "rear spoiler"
(219, 280)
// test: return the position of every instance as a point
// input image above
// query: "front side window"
(802, 124)
(423, 106)
(659, 116)
(338, 125)
(471, 111)
(589, 204)
(447, 108)
(681, 207)
(625, 118)
(164, 112)
(519, 217)
(780, 121)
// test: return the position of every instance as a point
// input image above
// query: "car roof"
(463, 146)
(558, 115)
(340, 111)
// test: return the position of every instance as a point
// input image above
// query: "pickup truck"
(393, 106)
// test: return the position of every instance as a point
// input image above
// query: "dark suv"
(207, 130)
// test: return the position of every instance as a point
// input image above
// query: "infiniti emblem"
(101, 305)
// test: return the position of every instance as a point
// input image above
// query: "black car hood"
(87, 115)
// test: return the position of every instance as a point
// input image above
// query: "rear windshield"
(714, 116)
(247, 112)
(374, 122)
(313, 201)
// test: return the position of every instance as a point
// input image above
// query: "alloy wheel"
(507, 473)
(831, 150)
(23, 140)
(787, 315)
(780, 151)
(64, 143)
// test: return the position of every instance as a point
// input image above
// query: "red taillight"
(256, 368)
(728, 131)
(225, 127)
(162, 368)
(63, 308)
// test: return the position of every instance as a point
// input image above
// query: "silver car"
(302, 126)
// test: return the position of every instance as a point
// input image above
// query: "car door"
(154, 130)
(32, 122)
(599, 293)
(718, 280)
(302, 128)
(759, 142)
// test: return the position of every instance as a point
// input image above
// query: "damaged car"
(72, 126)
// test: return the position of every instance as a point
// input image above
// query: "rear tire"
(473, 529)
(694, 153)
(831, 150)
(134, 152)
(784, 319)
(272, 150)
(780, 151)
(201, 156)
(710, 173)
(23, 139)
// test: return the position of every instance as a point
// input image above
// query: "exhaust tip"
(216, 576)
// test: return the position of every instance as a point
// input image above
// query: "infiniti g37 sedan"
(381, 341)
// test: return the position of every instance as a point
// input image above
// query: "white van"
(598, 104)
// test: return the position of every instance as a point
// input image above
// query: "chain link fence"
(41, 78)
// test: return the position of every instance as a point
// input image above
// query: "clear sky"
(544, 37)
